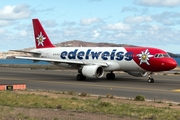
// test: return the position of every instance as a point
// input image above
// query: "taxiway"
(165, 87)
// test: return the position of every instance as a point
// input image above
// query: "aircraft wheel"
(110, 76)
(80, 77)
(84, 77)
(150, 80)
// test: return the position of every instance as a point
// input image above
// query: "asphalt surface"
(165, 87)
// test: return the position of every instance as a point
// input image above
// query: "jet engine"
(137, 73)
(92, 71)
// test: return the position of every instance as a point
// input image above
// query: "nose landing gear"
(150, 78)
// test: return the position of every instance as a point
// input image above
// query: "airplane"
(93, 62)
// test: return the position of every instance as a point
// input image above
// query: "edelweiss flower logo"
(144, 57)
(40, 39)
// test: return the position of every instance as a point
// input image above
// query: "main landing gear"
(110, 76)
(80, 77)
(150, 79)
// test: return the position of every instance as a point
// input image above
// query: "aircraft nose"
(172, 64)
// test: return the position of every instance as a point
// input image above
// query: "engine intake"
(93, 71)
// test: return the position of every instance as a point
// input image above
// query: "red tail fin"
(41, 38)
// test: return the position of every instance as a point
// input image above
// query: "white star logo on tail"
(144, 57)
(40, 39)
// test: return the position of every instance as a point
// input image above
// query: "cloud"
(167, 18)
(129, 9)
(46, 9)
(23, 33)
(89, 21)
(158, 3)
(2, 31)
(147, 34)
(118, 26)
(135, 9)
(49, 23)
(138, 19)
(71, 32)
(15, 12)
(68, 23)
(120, 35)
(95, 34)
(5, 23)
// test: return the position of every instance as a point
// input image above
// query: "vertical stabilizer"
(41, 38)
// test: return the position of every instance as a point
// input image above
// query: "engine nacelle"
(93, 71)
(137, 73)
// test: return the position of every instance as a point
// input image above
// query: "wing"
(30, 52)
(63, 61)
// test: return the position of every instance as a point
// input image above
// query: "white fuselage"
(117, 58)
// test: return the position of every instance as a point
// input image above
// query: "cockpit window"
(161, 55)
(156, 56)
(166, 55)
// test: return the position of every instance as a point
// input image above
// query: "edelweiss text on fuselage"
(90, 54)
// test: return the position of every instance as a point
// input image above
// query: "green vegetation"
(28, 100)
(139, 98)
(83, 94)
(170, 104)
(109, 96)
(71, 93)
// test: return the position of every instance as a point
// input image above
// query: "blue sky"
(153, 23)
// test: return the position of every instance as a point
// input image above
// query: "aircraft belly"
(130, 65)
(112, 66)
(122, 66)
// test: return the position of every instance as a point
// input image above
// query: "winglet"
(41, 38)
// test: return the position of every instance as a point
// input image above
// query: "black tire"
(150, 80)
(83, 77)
(80, 77)
(110, 76)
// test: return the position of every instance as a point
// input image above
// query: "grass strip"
(12, 99)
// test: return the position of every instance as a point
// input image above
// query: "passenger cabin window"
(161, 55)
